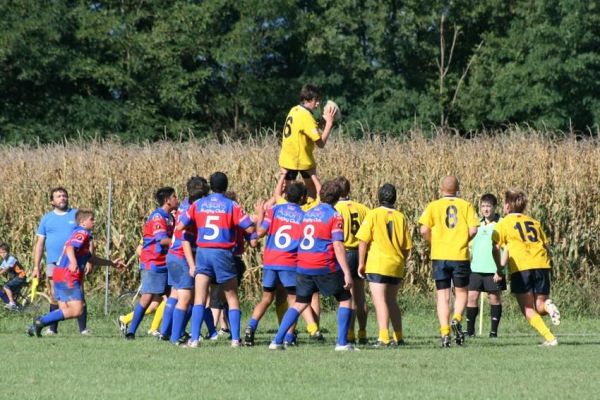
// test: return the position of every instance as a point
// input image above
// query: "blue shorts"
(271, 278)
(178, 273)
(216, 263)
(328, 284)
(15, 284)
(64, 293)
(352, 260)
(446, 272)
(536, 281)
(154, 282)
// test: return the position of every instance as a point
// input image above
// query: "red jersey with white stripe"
(158, 226)
(216, 218)
(283, 225)
(80, 241)
(321, 226)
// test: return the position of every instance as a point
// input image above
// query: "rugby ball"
(331, 104)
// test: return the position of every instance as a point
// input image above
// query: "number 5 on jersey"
(209, 225)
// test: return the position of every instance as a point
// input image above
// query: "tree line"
(145, 70)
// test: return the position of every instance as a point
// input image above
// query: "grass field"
(70, 366)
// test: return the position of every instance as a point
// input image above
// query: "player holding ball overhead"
(300, 134)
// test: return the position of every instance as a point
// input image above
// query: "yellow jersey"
(353, 214)
(299, 136)
(310, 203)
(386, 231)
(449, 219)
(525, 241)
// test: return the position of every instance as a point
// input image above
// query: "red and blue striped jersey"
(282, 223)
(188, 234)
(216, 218)
(158, 226)
(321, 226)
(80, 241)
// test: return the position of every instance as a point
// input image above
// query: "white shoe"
(553, 312)
(154, 333)
(276, 346)
(86, 332)
(235, 343)
(122, 325)
(192, 344)
(49, 332)
(345, 347)
(550, 343)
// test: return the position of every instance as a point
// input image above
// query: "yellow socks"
(280, 309)
(158, 316)
(457, 317)
(127, 318)
(538, 324)
(384, 336)
(312, 328)
(445, 330)
(351, 337)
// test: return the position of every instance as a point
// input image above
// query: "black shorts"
(15, 284)
(447, 271)
(378, 278)
(240, 268)
(485, 283)
(352, 258)
(329, 284)
(217, 297)
(531, 280)
(292, 174)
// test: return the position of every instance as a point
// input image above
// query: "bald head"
(449, 185)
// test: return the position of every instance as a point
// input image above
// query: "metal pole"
(107, 249)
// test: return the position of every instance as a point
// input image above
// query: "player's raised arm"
(328, 116)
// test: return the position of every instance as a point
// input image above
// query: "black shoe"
(249, 337)
(459, 336)
(446, 341)
(401, 342)
(129, 336)
(164, 338)
(317, 337)
(36, 328)
(493, 334)
(363, 341)
(184, 337)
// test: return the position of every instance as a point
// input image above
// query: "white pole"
(107, 249)
(481, 296)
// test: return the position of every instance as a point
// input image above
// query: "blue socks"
(253, 324)
(167, 320)
(289, 319)
(209, 320)
(177, 327)
(52, 317)
(235, 319)
(138, 316)
(343, 322)
(197, 316)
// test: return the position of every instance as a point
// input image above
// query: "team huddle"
(317, 242)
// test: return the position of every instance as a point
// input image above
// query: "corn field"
(560, 175)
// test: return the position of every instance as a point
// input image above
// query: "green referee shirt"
(482, 258)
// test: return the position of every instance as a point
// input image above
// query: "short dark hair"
(5, 247)
(163, 194)
(387, 195)
(197, 187)
(310, 92)
(82, 214)
(489, 198)
(295, 192)
(218, 182)
(56, 190)
(344, 184)
(330, 192)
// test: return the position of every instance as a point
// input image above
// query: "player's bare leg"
(359, 308)
(378, 294)
(527, 303)
(391, 299)
(202, 283)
